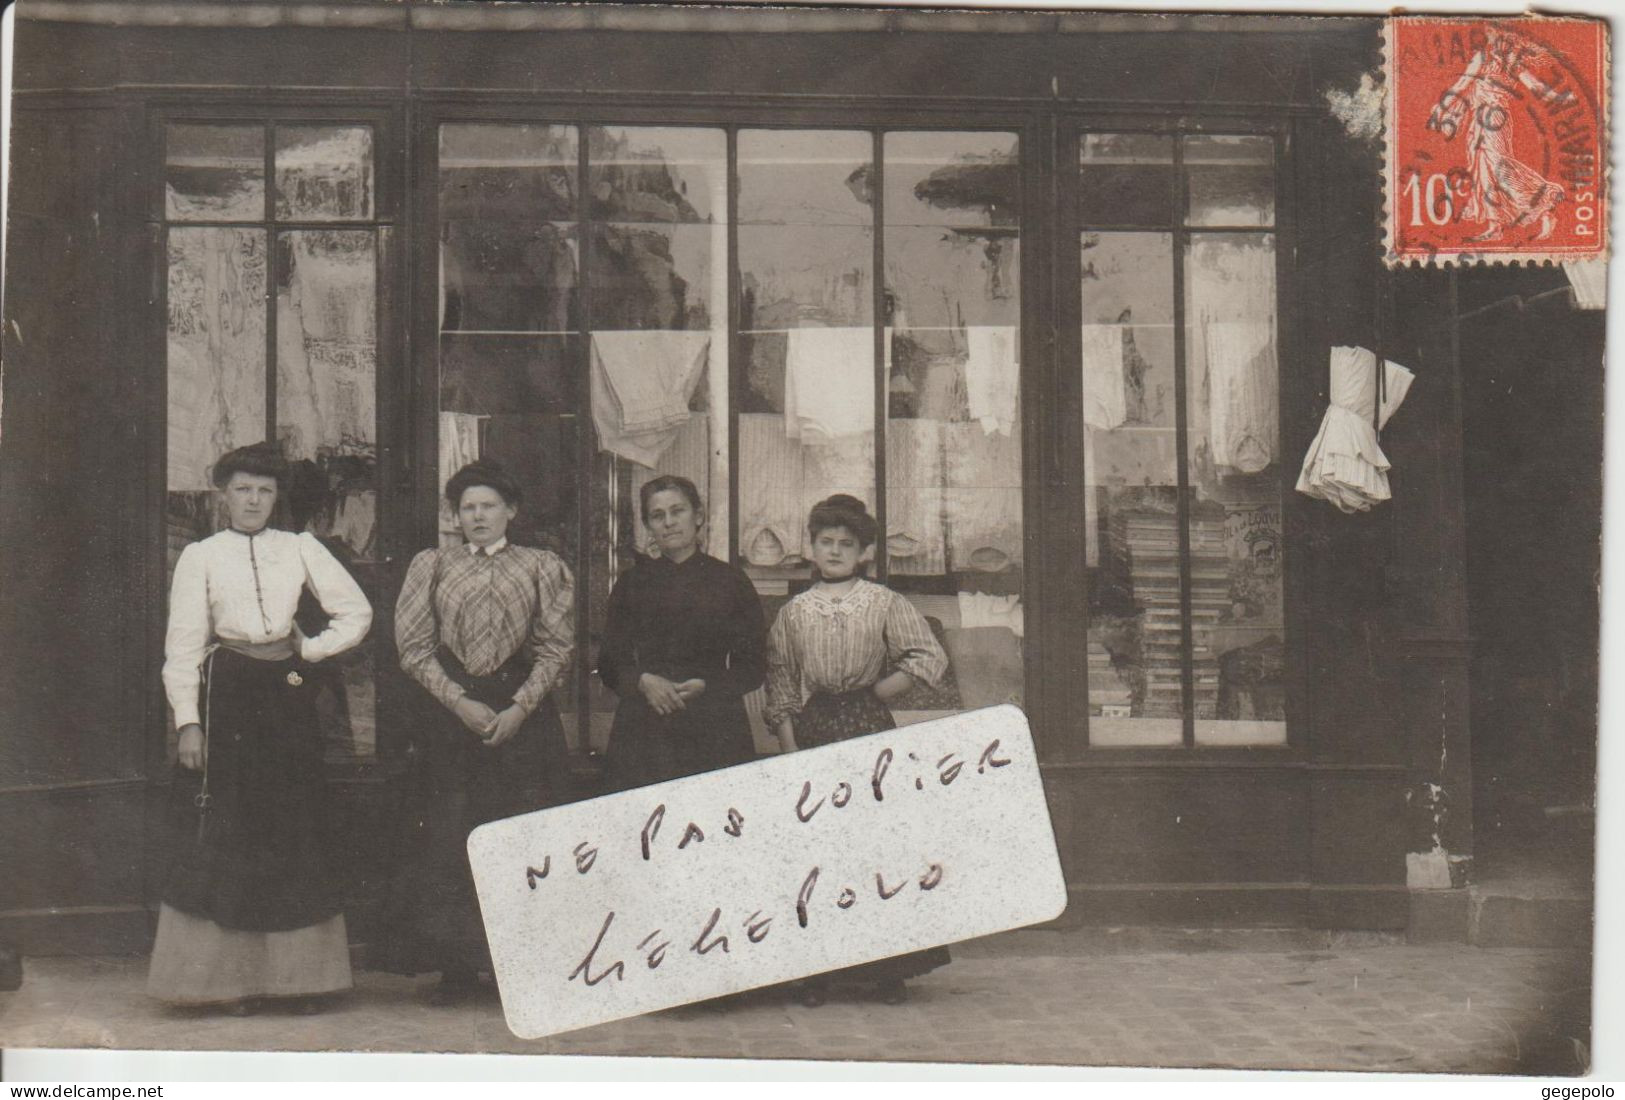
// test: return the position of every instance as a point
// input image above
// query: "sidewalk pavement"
(1348, 1002)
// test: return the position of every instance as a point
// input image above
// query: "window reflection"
(1229, 573)
(510, 349)
(954, 532)
(214, 173)
(1234, 429)
(324, 173)
(1131, 543)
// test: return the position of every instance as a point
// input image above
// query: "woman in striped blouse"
(838, 653)
(487, 628)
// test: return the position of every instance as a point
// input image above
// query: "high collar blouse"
(826, 643)
(699, 618)
(232, 587)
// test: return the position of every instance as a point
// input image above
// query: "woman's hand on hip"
(476, 716)
(192, 748)
(505, 725)
(661, 693)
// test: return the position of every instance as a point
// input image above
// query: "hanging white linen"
(992, 376)
(829, 382)
(641, 385)
(1345, 465)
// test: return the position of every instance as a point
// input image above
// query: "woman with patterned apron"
(250, 909)
(838, 653)
(487, 628)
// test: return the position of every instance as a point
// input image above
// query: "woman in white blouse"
(250, 909)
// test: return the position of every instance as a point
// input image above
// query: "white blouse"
(233, 587)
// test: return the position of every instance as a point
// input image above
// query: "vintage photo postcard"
(1033, 537)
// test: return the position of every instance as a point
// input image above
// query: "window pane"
(1235, 456)
(507, 172)
(651, 174)
(805, 177)
(953, 427)
(324, 173)
(214, 173)
(1131, 502)
(1230, 180)
(658, 266)
(499, 276)
(510, 350)
(952, 179)
(1126, 179)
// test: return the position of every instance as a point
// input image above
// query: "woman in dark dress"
(684, 644)
(251, 909)
(838, 654)
(486, 627)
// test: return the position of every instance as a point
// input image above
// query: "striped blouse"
(485, 608)
(834, 644)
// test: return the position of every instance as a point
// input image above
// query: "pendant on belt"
(295, 679)
(204, 803)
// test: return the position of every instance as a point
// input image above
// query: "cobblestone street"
(1346, 1003)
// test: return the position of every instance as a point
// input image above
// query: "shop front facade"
(1054, 294)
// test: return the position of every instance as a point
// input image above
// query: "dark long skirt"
(645, 747)
(455, 783)
(258, 858)
(826, 719)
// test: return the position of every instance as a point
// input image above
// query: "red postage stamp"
(1496, 140)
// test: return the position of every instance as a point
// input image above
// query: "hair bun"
(845, 501)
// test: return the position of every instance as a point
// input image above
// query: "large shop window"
(620, 302)
(1182, 454)
(272, 261)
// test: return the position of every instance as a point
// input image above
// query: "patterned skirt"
(829, 717)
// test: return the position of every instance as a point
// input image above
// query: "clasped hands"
(490, 726)
(665, 697)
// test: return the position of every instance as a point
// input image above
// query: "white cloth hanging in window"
(1242, 381)
(829, 382)
(1345, 465)
(641, 385)
(992, 376)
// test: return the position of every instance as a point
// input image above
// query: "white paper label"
(766, 872)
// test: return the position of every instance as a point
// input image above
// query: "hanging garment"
(986, 609)
(1345, 465)
(770, 515)
(649, 375)
(829, 382)
(1242, 393)
(992, 376)
(641, 384)
(975, 460)
(984, 528)
(355, 520)
(1104, 396)
(915, 537)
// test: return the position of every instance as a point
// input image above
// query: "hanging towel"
(1105, 401)
(1242, 381)
(915, 537)
(1345, 465)
(649, 375)
(992, 376)
(829, 382)
(975, 460)
(641, 385)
